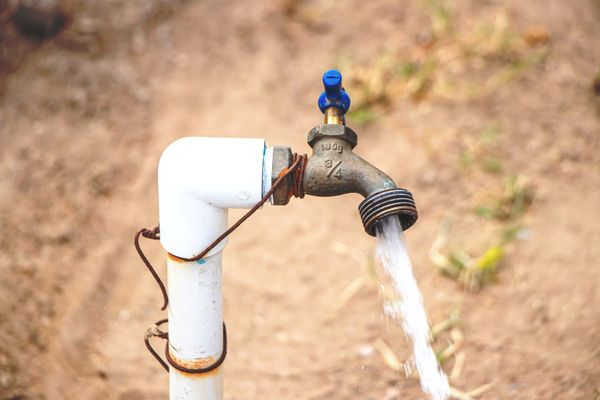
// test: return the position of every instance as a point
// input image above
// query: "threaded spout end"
(396, 201)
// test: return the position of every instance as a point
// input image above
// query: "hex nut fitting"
(282, 158)
(332, 131)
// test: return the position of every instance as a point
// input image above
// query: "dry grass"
(444, 64)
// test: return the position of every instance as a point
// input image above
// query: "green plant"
(361, 116)
(472, 271)
(483, 151)
(510, 202)
(439, 16)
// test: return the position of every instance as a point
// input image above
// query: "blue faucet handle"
(334, 94)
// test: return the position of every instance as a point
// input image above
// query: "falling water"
(392, 253)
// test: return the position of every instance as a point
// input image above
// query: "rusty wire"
(298, 164)
(202, 370)
(153, 234)
(298, 176)
(154, 331)
(151, 332)
(296, 170)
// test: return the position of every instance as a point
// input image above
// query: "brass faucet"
(333, 168)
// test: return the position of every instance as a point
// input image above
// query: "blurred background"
(488, 111)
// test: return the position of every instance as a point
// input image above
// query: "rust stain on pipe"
(175, 258)
(195, 364)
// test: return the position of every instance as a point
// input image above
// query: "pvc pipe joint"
(199, 179)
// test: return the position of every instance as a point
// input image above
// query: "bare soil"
(85, 114)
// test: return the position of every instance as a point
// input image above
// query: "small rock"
(430, 177)
(366, 351)
(536, 35)
(391, 394)
(38, 22)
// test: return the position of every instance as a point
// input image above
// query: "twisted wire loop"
(202, 370)
(154, 331)
(151, 332)
(296, 171)
(298, 176)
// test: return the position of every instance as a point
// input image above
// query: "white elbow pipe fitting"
(199, 178)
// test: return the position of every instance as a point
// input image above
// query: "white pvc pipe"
(198, 180)
(195, 326)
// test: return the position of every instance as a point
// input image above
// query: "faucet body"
(334, 169)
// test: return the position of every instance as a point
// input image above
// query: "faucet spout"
(334, 169)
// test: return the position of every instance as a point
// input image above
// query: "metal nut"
(282, 158)
(332, 130)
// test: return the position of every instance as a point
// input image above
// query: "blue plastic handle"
(334, 94)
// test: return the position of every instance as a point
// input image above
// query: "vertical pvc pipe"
(195, 326)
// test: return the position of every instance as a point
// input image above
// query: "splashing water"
(391, 252)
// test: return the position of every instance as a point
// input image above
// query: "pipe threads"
(396, 201)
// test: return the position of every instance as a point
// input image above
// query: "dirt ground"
(85, 114)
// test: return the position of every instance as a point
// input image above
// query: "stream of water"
(391, 252)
